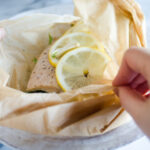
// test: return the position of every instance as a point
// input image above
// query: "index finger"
(136, 61)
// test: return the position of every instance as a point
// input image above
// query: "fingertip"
(116, 91)
(114, 83)
(117, 82)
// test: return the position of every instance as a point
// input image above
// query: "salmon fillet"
(43, 75)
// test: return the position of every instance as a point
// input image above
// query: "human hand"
(133, 81)
(2, 33)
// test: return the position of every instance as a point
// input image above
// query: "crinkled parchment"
(118, 24)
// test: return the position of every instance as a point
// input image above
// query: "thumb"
(137, 106)
(132, 101)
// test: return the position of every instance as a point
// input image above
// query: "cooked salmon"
(43, 75)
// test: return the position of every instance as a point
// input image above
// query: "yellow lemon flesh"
(80, 67)
(71, 41)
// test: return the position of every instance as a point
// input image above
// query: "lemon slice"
(72, 41)
(80, 67)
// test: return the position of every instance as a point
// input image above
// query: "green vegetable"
(54, 55)
(50, 39)
(35, 60)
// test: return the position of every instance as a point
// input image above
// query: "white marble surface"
(9, 8)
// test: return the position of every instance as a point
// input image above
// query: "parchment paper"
(85, 112)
